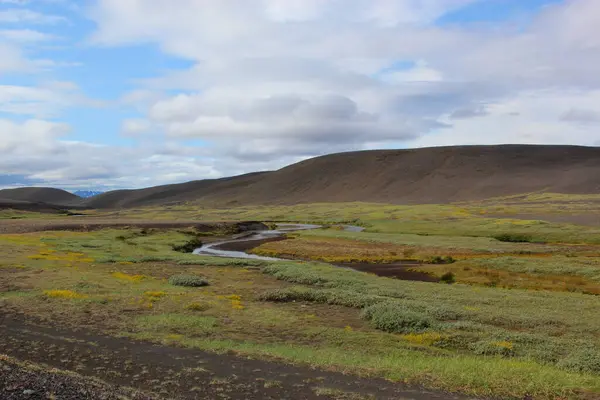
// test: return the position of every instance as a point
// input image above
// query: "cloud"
(469, 113)
(19, 16)
(43, 152)
(584, 116)
(132, 127)
(25, 36)
(48, 99)
(276, 81)
(12, 59)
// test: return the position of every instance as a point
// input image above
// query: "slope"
(427, 175)
(40, 195)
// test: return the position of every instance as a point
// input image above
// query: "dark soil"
(87, 225)
(27, 381)
(170, 372)
(400, 270)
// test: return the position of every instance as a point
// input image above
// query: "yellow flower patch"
(127, 277)
(427, 338)
(52, 255)
(504, 344)
(64, 294)
(155, 295)
(237, 305)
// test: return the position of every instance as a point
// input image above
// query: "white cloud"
(276, 81)
(12, 59)
(286, 79)
(46, 100)
(528, 118)
(25, 35)
(135, 126)
(19, 15)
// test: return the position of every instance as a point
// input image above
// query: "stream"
(239, 245)
(234, 247)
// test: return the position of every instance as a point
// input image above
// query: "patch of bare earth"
(133, 369)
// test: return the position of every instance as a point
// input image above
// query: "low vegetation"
(513, 238)
(188, 247)
(523, 312)
(188, 280)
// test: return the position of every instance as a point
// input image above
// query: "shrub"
(585, 360)
(189, 246)
(197, 306)
(443, 313)
(493, 348)
(513, 238)
(188, 280)
(326, 296)
(441, 260)
(448, 278)
(392, 317)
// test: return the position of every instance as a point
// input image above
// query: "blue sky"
(106, 94)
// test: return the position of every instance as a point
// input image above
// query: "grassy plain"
(524, 313)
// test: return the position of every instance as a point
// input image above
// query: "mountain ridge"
(406, 176)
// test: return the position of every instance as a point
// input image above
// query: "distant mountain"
(40, 195)
(425, 175)
(86, 193)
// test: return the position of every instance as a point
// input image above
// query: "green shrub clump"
(188, 247)
(188, 280)
(493, 348)
(441, 260)
(393, 317)
(586, 360)
(513, 238)
(448, 278)
(195, 306)
(324, 296)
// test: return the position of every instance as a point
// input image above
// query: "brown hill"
(428, 175)
(40, 195)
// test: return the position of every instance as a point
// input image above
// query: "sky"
(109, 94)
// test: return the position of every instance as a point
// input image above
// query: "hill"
(52, 196)
(427, 175)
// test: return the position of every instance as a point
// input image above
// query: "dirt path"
(172, 372)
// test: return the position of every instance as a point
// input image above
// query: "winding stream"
(239, 245)
(217, 249)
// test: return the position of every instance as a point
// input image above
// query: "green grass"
(476, 375)
(544, 343)
(192, 325)
(586, 267)
(465, 219)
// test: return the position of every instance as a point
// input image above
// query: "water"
(211, 249)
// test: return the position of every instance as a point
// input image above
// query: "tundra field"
(489, 299)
